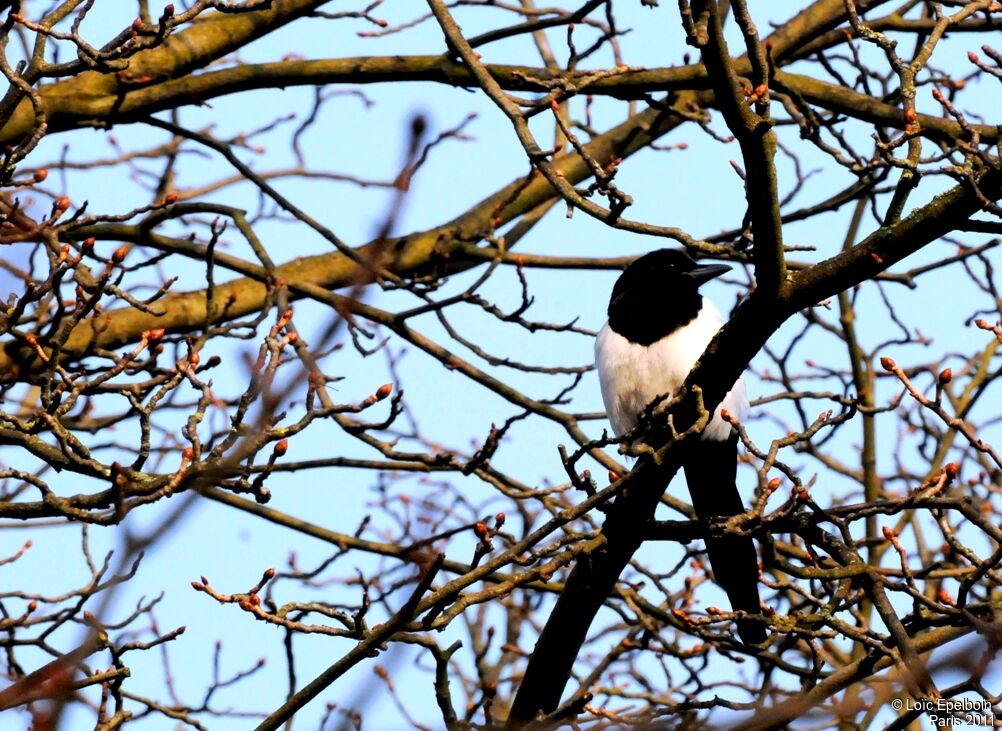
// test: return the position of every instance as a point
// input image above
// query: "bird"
(658, 327)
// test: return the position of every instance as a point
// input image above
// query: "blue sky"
(695, 189)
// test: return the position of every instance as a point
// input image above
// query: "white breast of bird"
(632, 376)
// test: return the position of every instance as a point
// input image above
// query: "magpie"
(659, 325)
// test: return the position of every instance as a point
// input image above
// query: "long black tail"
(711, 470)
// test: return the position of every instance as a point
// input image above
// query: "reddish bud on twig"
(33, 344)
(281, 447)
(40, 175)
(137, 24)
(952, 469)
(499, 520)
(889, 533)
(910, 115)
(119, 256)
(188, 454)
(170, 198)
(383, 391)
(774, 484)
(169, 9)
(888, 364)
(480, 528)
(154, 335)
(945, 376)
(613, 477)
(62, 204)
(758, 93)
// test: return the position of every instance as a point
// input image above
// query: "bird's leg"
(636, 448)
(704, 415)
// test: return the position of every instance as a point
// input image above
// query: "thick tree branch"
(94, 96)
(889, 245)
(67, 112)
(102, 97)
(753, 130)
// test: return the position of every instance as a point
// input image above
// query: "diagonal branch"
(367, 648)
(410, 255)
(754, 321)
(890, 244)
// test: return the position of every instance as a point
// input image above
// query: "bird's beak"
(702, 274)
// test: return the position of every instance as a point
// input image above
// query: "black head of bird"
(657, 294)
